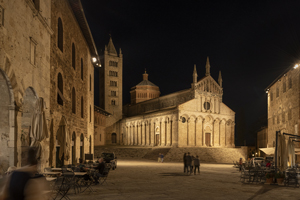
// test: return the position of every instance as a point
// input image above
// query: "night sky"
(251, 42)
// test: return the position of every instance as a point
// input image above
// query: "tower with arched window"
(110, 87)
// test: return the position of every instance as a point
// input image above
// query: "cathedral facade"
(195, 117)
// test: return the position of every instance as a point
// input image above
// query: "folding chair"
(86, 181)
(60, 189)
(103, 177)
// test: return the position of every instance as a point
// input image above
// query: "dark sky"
(251, 42)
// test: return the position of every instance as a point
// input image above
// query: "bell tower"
(111, 87)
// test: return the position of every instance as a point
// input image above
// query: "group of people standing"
(191, 163)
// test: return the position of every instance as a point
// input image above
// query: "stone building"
(262, 141)
(73, 57)
(111, 89)
(195, 117)
(283, 105)
(24, 75)
(100, 125)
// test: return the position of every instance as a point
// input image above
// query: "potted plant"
(269, 177)
(279, 176)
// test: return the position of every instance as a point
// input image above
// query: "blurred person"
(25, 183)
(100, 168)
(162, 157)
(184, 162)
(189, 163)
(159, 157)
(268, 164)
(240, 164)
(196, 165)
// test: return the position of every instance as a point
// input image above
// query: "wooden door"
(156, 139)
(207, 139)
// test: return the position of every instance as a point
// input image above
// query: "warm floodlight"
(296, 66)
(94, 59)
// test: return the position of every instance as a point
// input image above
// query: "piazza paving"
(144, 179)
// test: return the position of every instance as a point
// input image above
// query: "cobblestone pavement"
(145, 179)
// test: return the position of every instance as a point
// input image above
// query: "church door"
(156, 139)
(207, 139)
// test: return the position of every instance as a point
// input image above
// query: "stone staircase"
(122, 152)
(206, 154)
(153, 154)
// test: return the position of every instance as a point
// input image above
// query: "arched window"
(60, 89)
(113, 138)
(73, 55)
(60, 35)
(90, 144)
(74, 148)
(73, 101)
(81, 69)
(90, 113)
(81, 110)
(81, 146)
(90, 82)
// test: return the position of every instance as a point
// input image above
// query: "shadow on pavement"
(264, 189)
(173, 174)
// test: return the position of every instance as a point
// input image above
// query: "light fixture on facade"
(94, 59)
(296, 66)
(267, 91)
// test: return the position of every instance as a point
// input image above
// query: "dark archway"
(7, 128)
(60, 35)
(74, 148)
(82, 146)
(29, 101)
(113, 138)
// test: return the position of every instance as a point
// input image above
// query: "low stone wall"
(208, 155)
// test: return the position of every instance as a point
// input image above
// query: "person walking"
(184, 163)
(24, 183)
(189, 163)
(196, 165)
(162, 157)
(159, 157)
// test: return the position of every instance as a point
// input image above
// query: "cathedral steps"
(206, 154)
(154, 153)
(122, 152)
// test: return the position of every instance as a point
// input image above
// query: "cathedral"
(195, 117)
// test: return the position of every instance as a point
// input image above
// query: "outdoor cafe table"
(79, 173)
(52, 173)
(60, 169)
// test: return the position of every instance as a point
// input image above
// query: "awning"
(268, 151)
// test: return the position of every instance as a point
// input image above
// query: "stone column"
(199, 131)
(147, 127)
(162, 133)
(143, 137)
(174, 131)
(136, 134)
(152, 133)
(168, 134)
(203, 136)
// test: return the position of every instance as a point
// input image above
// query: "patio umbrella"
(283, 153)
(63, 139)
(39, 130)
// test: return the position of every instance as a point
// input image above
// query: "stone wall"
(24, 66)
(74, 63)
(283, 106)
(208, 155)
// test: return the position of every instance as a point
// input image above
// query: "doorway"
(156, 139)
(207, 139)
